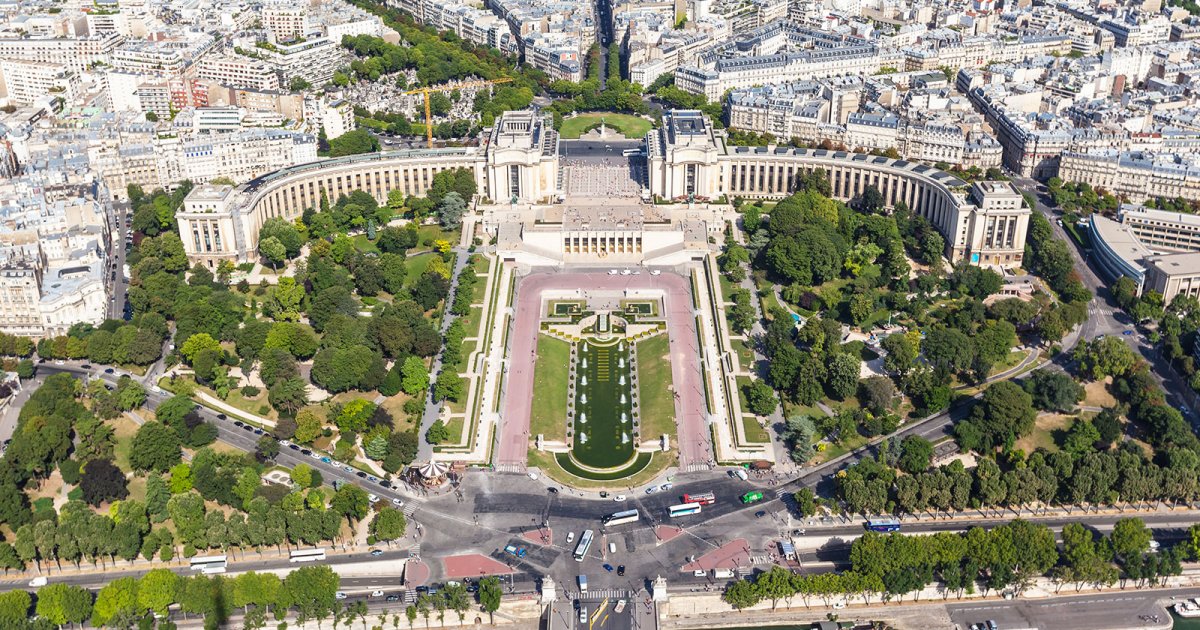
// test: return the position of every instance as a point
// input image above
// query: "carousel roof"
(433, 470)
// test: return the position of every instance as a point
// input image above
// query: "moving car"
(40, 580)
(515, 551)
(621, 569)
(608, 567)
(376, 552)
(397, 502)
(376, 593)
(373, 498)
(340, 595)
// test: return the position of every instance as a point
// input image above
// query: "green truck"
(752, 497)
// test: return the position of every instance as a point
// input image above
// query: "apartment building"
(28, 82)
(1137, 175)
(76, 53)
(239, 71)
(284, 23)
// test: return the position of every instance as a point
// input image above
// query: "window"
(514, 180)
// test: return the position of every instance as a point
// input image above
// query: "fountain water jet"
(582, 418)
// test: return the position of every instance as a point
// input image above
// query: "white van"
(612, 547)
(38, 581)
(741, 474)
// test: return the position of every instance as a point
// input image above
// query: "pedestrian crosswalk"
(696, 467)
(511, 468)
(608, 593)
(410, 596)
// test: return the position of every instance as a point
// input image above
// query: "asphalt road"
(1130, 608)
(120, 286)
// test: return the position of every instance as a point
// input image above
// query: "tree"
(61, 604)
(451, 209)
(760, 398)
(388, 524)
(351, 502)
(448, 386)
(102, 481)
(1104, 357)
(798, 433)
(266, 449)
(273, 251)
(901, 354)
(876, 393)
(414, 376)
(311, 591)
(352, 143)
(285, 232)
(1053, 391)
(1004, 413)
(916, 453)
(14, 608)
(1130, 537)
(115, 600)
(841, 375)
(288, 395)
(308, 426)
(490, 594)
(806, 502)
(157, 590)
(437, 433)
(1081, 437)
(25, 369)
(741, 595)
(301, 475)
(155, 448)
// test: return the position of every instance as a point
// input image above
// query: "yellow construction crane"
(448, 88)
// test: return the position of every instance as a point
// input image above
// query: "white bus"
(620, 518)
(208, 564)
(683, 509)
(585, 543)
(307, 555)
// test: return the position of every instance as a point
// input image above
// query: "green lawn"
(432, 233)
(479, 290)
(603, 394)
(630, 126)
(548, 413)
(656, 396)
(727, 288)
(364, 244)
(471, 321)
(415, 266)
(455, 428)
(754, 431)
(745, 353)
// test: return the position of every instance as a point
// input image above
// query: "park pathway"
(433, 407)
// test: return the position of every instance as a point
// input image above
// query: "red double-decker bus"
(705, 498)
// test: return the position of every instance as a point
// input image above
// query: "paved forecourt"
(693, 441)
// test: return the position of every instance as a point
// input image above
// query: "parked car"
(621, 569)
(222, 416)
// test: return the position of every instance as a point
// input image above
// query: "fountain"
(624, 418)
(620, 381)
(585, 346)
(621, 346)
(584, 363)
(620, 363)
(583, 399)
(583, 380)
(582, 417)
(622, 398)
(583, 438)
(624, 438)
